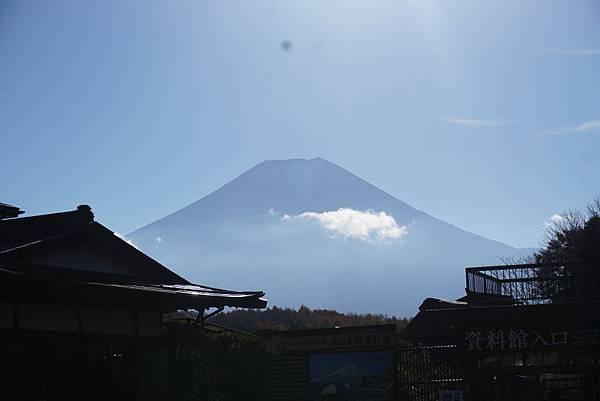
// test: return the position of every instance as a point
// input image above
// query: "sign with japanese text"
(352, 363)
(526, 339)
(343, 339)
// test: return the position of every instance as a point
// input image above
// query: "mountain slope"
(279, 227)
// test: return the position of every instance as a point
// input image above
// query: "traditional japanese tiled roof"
(72, 253)
(9, 211)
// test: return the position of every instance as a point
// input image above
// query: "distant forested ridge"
(276, 318)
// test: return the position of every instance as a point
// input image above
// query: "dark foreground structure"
(349, 364)
(521, 333)
(81, 313)
(86, 316)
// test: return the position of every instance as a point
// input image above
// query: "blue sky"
(485, 114)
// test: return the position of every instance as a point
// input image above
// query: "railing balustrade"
(536, 283)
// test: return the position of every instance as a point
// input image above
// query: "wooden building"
(522, 333)
(81, 311)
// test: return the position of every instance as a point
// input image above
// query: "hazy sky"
(483, 113)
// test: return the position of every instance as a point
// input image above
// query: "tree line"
(276, 318)
(573, 236)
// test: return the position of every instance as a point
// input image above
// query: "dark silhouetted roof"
(9, 211)
(70, 253)
(433, 323)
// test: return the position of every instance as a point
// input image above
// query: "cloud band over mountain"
(362, 225)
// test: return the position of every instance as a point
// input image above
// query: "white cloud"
(274, 212)
(158, 240)
(124, 238)
(576, 52)
(363, 225)
(585, 127)
(478, 122)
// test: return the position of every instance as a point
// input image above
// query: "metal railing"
(425, 370)
(535, 283)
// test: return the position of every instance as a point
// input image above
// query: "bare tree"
(571, 237)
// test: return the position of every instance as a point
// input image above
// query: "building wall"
(47, 317)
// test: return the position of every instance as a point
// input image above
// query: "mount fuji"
(310, 232)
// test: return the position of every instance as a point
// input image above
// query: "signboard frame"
(301, 344)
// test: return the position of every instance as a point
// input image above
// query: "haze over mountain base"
(309, 232)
